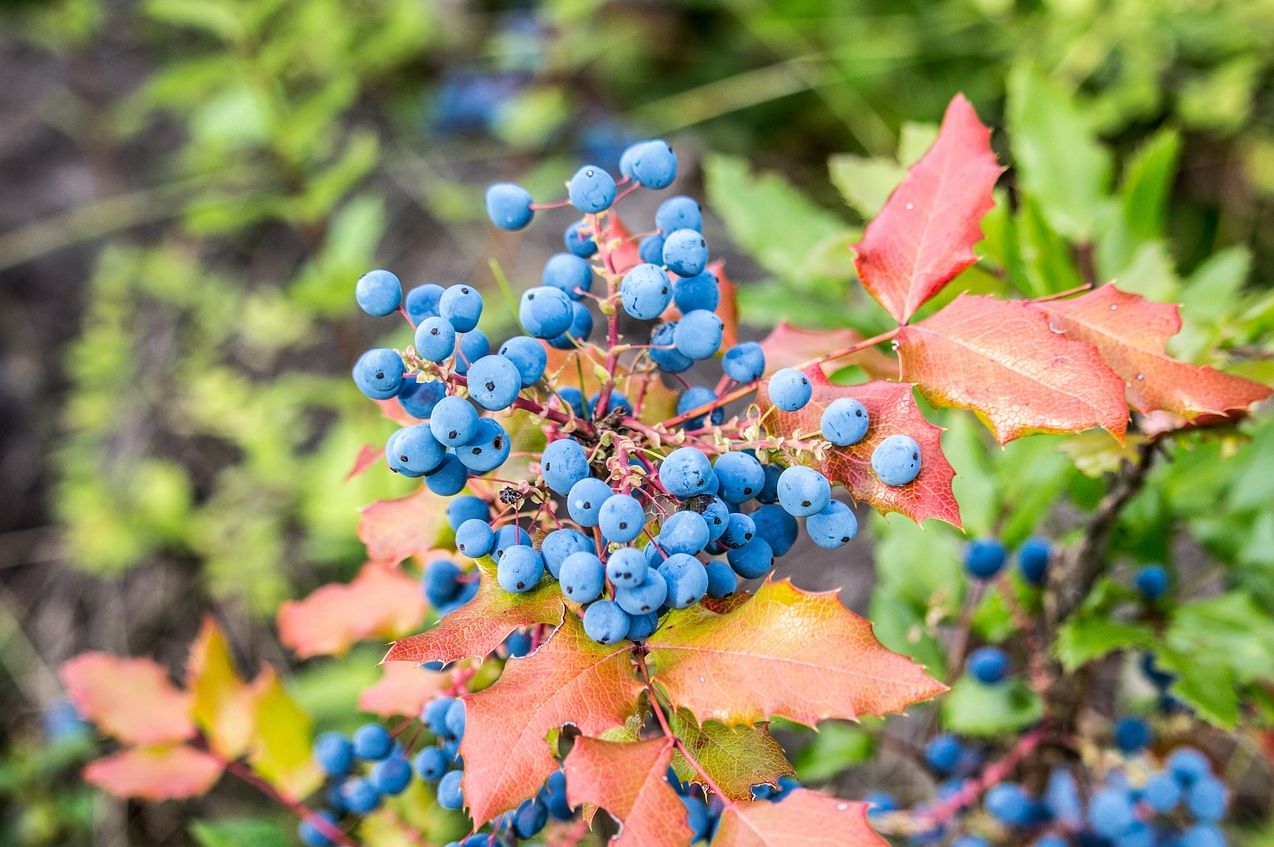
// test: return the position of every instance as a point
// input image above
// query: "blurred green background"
(188, 189)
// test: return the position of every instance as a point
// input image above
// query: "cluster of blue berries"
(985, 558)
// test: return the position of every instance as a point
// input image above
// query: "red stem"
(299, 810)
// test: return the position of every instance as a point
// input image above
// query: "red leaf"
(130, 699)
(629, 781)
(785, 652)
(481, 625)
(925, 234)
(380, 602)
(804, 818)
(403, 689)
(155, 773)
(1002, 360)
(394, 410)
(892, 410)
(790, 346)
(394, 530)
(368, 455)
(1131, 333)
(570, 680)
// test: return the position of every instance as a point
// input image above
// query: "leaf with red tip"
(785, 652)
(1131, 333)
(629, 781)
(130, 699)
(735, 757)
(402, 689)
(155, 773)
(790, 346)
(570, 680)
(394, 530)
(222, 702)
(892, 410)
(803, 818)
(380, 603)
(481, 625)
(925, 234)
(1002, 360)
(368, 455)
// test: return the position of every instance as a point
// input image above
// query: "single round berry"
(988, 665)
(391, 457)
(461, 509)
(1187, 765)
(752, 560)
(626, 567)
(442, 582)
(694, 397)
(583, 577)
(896, 460)
(621, 518)
(645, 292)
(984, 558)
(684, 532)
(417, 450)
(454, 421)
(740, 476)
(475, 538)
(471, 347)
(641, 627)
(455, 719)
(663, 350)
(1131, 734)
(605, 622)
(701, 291)
(510, 535)
(1032, 560)
(334, 754)
(651, 249)
(520, 569)
(1152, 581)
(1009, 803)
(739, 530)
(314, 834)
(568, 273)
(685, 252)
(578, 332)
(1111, 812)
(686, 472)
(448, 478)
(653, 164)
(494, 382)
(585, 500)
(578, 241)
(372, 742)
(509, 206)
(591, 190)
(560, 544)
(419, 398)
(563, 464)
(744, 362)
(1162, 793)
(450, 794)
(644, 598)
(789, 389)
(462, 306)
(545, 312)
(391, 776)
(722, 580)
(422, 302)
(359, 795)
(832, 527)
(530, 818)
(803, 491)
(698, 334)
(528, 356)
(715, 513)
(488, 449)
(943, 753)
(844, 421)
(435, 339)
(678, 212)
(378, 293)
(431, 764)
(378, 373)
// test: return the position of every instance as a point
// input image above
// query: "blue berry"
(561, 543)
(770, 491)
(434, 715)
(943, 753)
(1201, 835)
(471, 347)
(653, 164)
(678, 212)
(360, 796)
(578, 242)
(488, 448)
(454, 421)
(448, 478)
(422, 302)
(641, 627)
(591, 190)
(1187, 765)
(334, 754)
(789, 389)
(1207, 799)
(568, 273)
(1032, 560)
(509, 206)
(391, 776)
(461, 509)
(698, 818)
(450, 794)
(313, 834)
(685, 472)
(1152, 581)
(416, 450)
(663, 351)
(605, 622)
(803, 491)
(475, 538)
(442, 581)
(494, 383)
(419, 398)
(626, 567)
(431, 764)
(777, 527)
(722, 580)
(970, 841)
(1131, 734)
(880, 802)
(844, 422)
(753, 560)
(563, 464)
(1110, 812)
(510, 535)
(545, 312)
(1009, 803)
(1162, 792)
(621, 518)
(530, 818)
(687, 580)
(697, 292)
(716, 514)
(518, 643)
(435, 339)
(651, 249)
(744, 362)
(645, 292)
(833, 526)
(455, 719)
(698, 334)
(462, 306)
(583, 577)
(694, 397)
(684, 532)
(520, 569)
(738, 531)
(372, 742)
(685, 252)
(378, 373)
(578, 332)
(988, 665)
(528, 356)
(585, 499)
(984, 558)
(554, 793)
(896, 460)
(644, 598)
(378, 293)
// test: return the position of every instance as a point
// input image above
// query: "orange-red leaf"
(804, 818)
(1002, 360)
(479, 626)
(785, 652)
(570, 680)
(925, 234)
(394, 410)
(622, 251)
(629, 781)
(368, 455)
(790, 346)
(155, 773)
(1131, 333)
(222, 703)
(130, 699)
(380, 603)
(394, 530)
(892, 410)
(402, 689)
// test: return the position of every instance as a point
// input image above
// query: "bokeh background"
(188, 189)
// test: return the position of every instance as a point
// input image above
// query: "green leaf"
(281, 749)
(1060, 163)
(736, 757)
(1228, 630)
(965, 447)
(864, 183)
(1046, 261)
(1147, 183)
(1085, 637)
(1208, 688)
(836, 747)
(236, 832)
(972, 708)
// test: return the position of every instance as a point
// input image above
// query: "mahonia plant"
(614, 637)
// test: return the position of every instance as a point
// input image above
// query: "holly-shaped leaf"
(1131, 334)
(925, 234)
(130, 699)
(735, 757)
(630, 782)
(1003, 361)
(381, 602)
(403, 689)
(222, 703)
(790, 346)
(570, 680)
(281, 746)
(482, 624)
(892, 410)
(164, 772)
(785, 652)
(394, 530)
(804, 818)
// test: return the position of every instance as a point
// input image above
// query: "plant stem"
(299, 810)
